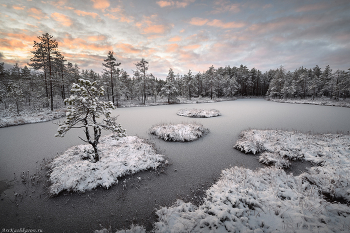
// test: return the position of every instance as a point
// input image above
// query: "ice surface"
(179, 132)
(72, 171)
(199, 113)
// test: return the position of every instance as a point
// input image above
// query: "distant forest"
(49, 79)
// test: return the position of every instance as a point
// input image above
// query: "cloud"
(192, 47)
(221, 6)
(174, 39)
(80, 44)
(215, 23)
(198, 21)
(171, 48)
(312, 7)
(149, 25)
(118, 13)
(97, 38)
(127, 48)
(84, 13)
(100, 4)
(61, 18)
(18, 7)
(36, 13)
(1, 55)
(177, 4)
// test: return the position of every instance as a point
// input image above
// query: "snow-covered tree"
(169, 89)
(84, 109)
(111, 71)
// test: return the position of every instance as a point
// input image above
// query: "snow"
(133, 229)
(202, 113)
(26, 117)
(318, 101)
(179, 132)
(269, 199)
(72, 171)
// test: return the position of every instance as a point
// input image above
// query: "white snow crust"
(179, 132)
(325, 102)
(72, 171)
(198, 113)
(27, 117)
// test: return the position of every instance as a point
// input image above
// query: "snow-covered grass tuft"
(330, 151)
(198, 113)
(179, 132)
(266, 200)
(72, 171)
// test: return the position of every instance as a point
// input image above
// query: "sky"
(181, 34)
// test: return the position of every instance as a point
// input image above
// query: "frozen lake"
(194, 165)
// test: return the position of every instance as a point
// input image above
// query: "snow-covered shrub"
(179, 132)
(198, 113)
(71, 171)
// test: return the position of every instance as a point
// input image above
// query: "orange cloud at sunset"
(80, 44)
(215, 23)
(97, 38)
(36, 13)
(178, 4)
(154, 29)
(174, 39)
(61, 18)
(127, 48)
(192, 47)
(101, 4)
(172, 48)
(84, 13)
(18, 7)
(148, 26)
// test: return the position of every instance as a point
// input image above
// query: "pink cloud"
(100, 4)
(36, 13)
(18, 7)
(178, 4)
(174, 39)
(215, 23)
(84, 13)
(192, 47)
(61, 18)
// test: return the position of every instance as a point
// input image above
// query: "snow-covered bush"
(83, 112)
(179, 132)
(72, 171)
(198, 113)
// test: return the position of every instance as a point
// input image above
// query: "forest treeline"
(47, 79)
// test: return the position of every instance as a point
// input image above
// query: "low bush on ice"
(72, 171)
(199, 113)
(179, 132)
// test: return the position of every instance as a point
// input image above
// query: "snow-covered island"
(72, 171)
(269, 199)
(198, 113)
(179, 132)
(318, 101)
(8, 118)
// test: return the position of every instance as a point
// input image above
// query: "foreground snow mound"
(330, 151)
(266, 200)
(199, 113)
(72, 171)
(133, 229)
(179, 132)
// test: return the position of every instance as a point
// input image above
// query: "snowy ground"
(26, 117)
(269, 199)
(179, 132)
(198, 113)
(325, 102)
(72, 171)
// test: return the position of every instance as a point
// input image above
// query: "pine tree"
(142, 67)
(111, 64)
(169, 89)
(84, 109)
